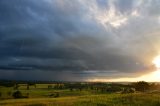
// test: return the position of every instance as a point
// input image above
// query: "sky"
(78, 40)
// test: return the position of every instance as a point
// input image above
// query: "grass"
(119, 100)
(140, 99)
(64, 101)
(42, 91)
(39, 97)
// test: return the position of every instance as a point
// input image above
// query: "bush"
(17, 94)
(55, 95)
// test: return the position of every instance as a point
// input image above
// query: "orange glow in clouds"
(156, 61)
(151, 77)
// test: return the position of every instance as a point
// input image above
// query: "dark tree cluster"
(17, 94)
(7, 83)
(141, 86)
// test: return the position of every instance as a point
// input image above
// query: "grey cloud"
(65, 38)
(124, 6)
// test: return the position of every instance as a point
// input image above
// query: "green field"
(91, 100)
(39, 96)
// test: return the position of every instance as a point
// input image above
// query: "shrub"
(55, 94)
(17, 94)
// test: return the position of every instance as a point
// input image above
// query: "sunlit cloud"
(110, 17)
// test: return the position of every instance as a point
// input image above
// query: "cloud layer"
(78, 39)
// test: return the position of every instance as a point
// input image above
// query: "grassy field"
(39, 97)
(92, 100)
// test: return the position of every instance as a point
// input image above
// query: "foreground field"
(69, 94)
(140, 99)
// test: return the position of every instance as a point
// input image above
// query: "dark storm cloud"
(60, 37)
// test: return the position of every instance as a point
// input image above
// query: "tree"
(16, 86)
(49, 86)
(27, 87)
(142, 86)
